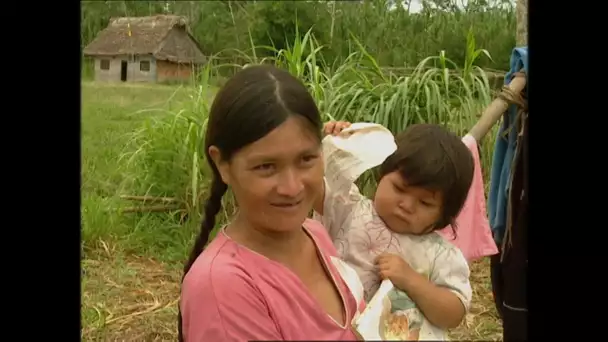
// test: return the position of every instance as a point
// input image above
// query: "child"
(422, 188)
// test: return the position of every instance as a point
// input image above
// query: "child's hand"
(393, 267)
(335, 127)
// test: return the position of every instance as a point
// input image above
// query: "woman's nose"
(290, 184)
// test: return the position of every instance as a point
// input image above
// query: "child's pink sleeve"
(226, 306)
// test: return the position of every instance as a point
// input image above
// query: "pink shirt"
(473, 236)
(234, 294)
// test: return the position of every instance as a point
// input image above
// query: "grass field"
(131, 265)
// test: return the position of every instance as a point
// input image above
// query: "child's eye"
(426, 203)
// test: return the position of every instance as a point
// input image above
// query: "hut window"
(144, 66)
(104, 64)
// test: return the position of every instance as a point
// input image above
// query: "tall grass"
(395, 38)
(165, 157)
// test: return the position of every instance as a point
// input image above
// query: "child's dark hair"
(432, 157)
(255, 101)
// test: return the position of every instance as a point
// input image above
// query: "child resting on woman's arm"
(423, 186)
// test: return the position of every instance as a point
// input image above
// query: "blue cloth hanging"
(504, 148)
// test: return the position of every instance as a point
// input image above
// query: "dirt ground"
(135, 299)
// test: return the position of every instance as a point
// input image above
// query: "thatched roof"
(166, 37)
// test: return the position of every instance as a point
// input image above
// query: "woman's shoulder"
(221, 299)
(221, 263)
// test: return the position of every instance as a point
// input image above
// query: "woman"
(270, 274)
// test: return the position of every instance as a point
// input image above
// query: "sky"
(416, 5)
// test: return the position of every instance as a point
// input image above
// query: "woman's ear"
(221, 165)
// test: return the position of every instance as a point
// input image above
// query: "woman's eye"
(308, 159)
(264, 167)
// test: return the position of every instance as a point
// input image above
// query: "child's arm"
(345, 158)
(325, 191)
(444, 299)
(338, 195)
(335, 206)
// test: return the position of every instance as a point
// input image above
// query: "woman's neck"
(274, 245)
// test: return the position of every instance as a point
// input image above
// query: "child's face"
(407, 209)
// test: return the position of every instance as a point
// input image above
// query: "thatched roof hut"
(149, 35)
(160, 38)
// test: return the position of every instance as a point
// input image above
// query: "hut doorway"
(123, 71)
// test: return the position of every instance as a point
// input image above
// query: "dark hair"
(251, 104)
(434, 158)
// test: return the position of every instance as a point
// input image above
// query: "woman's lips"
(288, 206)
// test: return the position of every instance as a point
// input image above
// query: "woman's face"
(276, 179)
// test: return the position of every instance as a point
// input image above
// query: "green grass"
(110, 114)
(131, 261)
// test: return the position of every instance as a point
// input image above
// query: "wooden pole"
(494, 111)
(521, 13)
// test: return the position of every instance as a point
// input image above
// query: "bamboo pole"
(494, 111)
